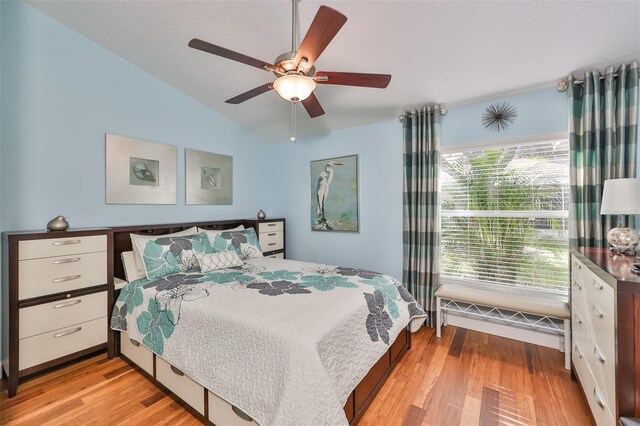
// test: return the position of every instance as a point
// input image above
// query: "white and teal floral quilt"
(284, 341)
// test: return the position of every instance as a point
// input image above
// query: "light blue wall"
(61, 93)
(539, 112)
(378, 246)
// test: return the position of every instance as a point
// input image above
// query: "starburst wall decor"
(499, 116)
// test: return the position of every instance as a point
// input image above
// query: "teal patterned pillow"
(244, 242)
(170, 255)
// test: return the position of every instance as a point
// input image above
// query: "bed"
(276, 341)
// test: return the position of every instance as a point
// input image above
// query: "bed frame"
(361, 396)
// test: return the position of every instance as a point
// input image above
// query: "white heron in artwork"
(324, 181)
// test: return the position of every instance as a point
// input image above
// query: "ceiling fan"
(296, 75)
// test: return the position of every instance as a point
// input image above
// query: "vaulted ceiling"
(450, 52)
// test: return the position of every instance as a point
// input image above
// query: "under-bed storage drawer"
(44, 347)
(188, 390)
(137, 353)
(221, 413)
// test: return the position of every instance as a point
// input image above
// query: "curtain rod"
(443, 111)
(563, 85)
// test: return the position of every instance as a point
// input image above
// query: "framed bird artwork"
(334, 194)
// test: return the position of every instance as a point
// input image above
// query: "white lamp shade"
(294, 87)
(621, 196)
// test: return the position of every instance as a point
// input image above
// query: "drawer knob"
(178, 372)
(598, 398)
(271, 244)
(67, 332)
(134, 342)
(66, 242)
(271, 224)
(69, 303)
(598, 354)
(273, 234)
(597, 285)
(596, 311)
(69, 260)
(67, 278)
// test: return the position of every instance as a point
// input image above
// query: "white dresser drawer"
(221, 413)
(270, 241)
(599, 290)
(601, 353)
(139, 354)
(276, 256)
(270, 227)
(600, 409)
(62, 313)
(58, 343)
(51, 247)
(191, 392)
(40, 277)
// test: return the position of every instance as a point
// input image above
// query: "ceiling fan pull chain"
(293, 122)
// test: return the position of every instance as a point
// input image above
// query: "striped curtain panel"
(603, 138)
(421, 221)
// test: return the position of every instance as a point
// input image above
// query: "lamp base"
(623, 239)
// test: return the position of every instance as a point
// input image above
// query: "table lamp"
(621, 197)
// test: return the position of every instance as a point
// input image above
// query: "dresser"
(56, 292)
(605, 308)
(271, 234)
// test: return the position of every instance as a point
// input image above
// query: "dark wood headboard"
(122, 240)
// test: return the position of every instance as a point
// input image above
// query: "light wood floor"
(464, 378)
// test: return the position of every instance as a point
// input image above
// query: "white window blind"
(505, 216)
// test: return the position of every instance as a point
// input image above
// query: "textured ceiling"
(448, 52)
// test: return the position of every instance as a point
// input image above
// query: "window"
(505, 212)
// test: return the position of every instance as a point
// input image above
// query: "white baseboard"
(536, 337)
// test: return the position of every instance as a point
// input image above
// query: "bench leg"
(438, 317)
(567, 344)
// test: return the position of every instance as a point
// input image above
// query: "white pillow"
(211, 233)
(213, 261)
(138, 241)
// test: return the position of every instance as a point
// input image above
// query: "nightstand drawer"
(191, 392)
(34, 249)
(276, 256)
(58, 343)
(136, 352)
(62, 313)
(40, 277)
(270, 227)
(270, 241)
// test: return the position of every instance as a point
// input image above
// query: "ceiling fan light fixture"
(294, 87)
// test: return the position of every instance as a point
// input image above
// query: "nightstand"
(56, 295)
(271, 234)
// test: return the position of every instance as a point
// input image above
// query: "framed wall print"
(334, 194)
(209, 177)
(139, 171)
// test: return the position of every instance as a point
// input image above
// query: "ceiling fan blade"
(323, 29)
(313, 107)
(250, 94)
(379, 81)
(205, 46)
